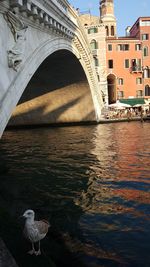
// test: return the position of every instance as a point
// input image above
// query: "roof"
(139, 18)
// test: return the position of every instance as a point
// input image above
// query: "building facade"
(122, 63)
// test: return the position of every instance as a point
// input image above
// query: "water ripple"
(92, 183)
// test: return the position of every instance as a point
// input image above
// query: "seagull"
(34, 231)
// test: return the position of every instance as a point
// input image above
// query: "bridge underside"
(57, 93)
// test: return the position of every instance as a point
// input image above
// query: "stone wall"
(6, 259)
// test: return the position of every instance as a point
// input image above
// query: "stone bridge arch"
(69, 100)
(43, 39)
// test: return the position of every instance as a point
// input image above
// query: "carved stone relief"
(18, 29)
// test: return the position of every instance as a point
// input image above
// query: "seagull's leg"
(39, 250)
(31, 252)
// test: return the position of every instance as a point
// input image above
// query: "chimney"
(128, 31)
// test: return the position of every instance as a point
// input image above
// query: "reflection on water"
(92, 183)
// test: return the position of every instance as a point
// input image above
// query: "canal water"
(93, 185)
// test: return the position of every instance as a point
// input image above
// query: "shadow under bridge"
(58, 92)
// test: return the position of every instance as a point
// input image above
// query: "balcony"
(97, 69)
(94, 52)
(136, 69)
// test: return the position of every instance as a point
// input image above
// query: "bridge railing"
(63, 4)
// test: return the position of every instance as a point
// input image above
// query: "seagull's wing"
(42, 226)
(31, 234)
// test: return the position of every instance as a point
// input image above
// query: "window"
(138, 61)
(146, 73)
(94, 45)
(109, 47)
(138, 80)
(145, 51)
(123, 47)
(120, 94)
(139, 93)
(126, 47)
(147, 90)
(112, 31)
(126, 63)
(96, 61)
(138, 47)
(110, 64)
(107, 31)
(145, 23)
(120, 81)
(145, 36)
(92, 30)
(136, 64)
(119, 47)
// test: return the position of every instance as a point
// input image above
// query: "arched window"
(147, 90)
(120, 81)
(107, 31)
(112, 31)
(138, 80)
(94, 44)
(145, 51)
(146, 73)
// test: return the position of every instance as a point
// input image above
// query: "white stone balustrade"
(35, 9)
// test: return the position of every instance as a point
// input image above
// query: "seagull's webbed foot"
(38, 252)
(31, 252)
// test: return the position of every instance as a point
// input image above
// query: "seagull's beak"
(21, 218)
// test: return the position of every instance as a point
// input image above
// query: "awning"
(132, 101)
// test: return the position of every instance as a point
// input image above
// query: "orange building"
(123, 65)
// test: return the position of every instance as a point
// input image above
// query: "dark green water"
(92, 183)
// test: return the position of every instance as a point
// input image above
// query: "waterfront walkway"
(124, 119)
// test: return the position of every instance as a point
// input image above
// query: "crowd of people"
(128, 112)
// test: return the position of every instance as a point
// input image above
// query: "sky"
(126, 11)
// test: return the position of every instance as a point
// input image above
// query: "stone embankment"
(111, 120)
(6, 259)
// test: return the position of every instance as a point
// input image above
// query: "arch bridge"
(47, 70)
